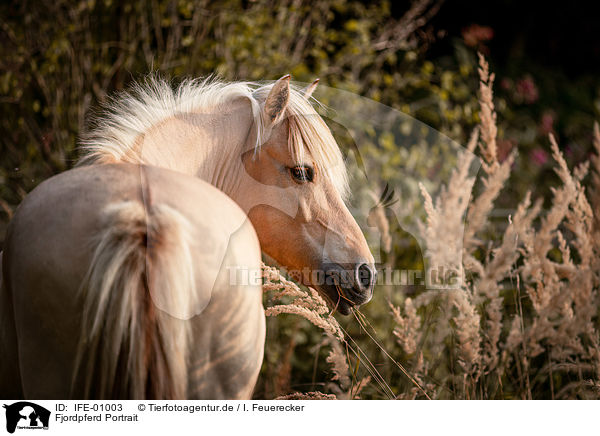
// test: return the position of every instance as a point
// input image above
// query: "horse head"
(298, 205)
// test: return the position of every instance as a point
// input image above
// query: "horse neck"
(205, 144)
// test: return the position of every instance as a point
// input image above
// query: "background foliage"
(60, 59)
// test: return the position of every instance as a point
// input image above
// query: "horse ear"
(277, 100)
(310, 89)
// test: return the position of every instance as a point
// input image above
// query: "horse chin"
(334, 300)
(344, 307)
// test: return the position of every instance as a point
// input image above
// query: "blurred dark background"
(531, 34)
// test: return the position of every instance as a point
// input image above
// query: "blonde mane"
(129, 115)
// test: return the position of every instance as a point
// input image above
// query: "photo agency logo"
(25, 415)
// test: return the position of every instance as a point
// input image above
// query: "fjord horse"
(120, 276)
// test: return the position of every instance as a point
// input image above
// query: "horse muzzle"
(348, 285)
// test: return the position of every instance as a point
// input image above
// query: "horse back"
(50, 248)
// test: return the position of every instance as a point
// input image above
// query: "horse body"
(117, 275)
(10, 378)
(53, 255)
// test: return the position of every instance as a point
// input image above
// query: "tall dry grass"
(523, 321)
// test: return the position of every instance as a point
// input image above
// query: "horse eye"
(302, 174)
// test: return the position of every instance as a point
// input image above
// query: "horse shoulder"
(228, 333)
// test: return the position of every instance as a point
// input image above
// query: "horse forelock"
(128, 116)
(308, 134)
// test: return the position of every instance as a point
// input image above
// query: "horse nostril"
(364, 276)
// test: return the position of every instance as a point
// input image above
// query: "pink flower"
(547, 123)
(539, 156)
(527, 90)
(569, 151)
(476, 34)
